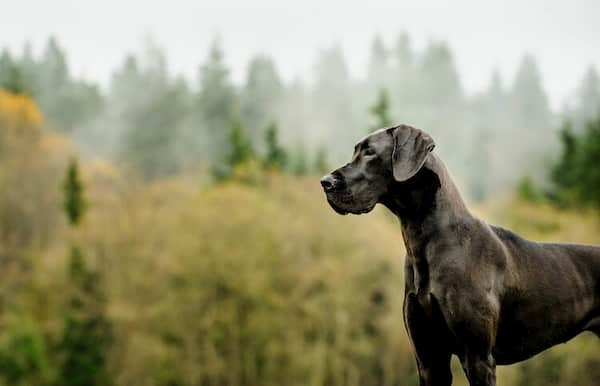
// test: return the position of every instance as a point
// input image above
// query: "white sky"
(564, 35)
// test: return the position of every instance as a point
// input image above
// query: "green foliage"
(11, 78)
(153, 124)
(240, 147)
(23, 354)
(576, 176)
(276, 156)
(240, 154)
(14, 82)
(380, 111)
(257, 281)
(73, 201)
(87, 333)
(66, 102)
(527, 191)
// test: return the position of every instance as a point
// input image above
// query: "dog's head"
(388, 155)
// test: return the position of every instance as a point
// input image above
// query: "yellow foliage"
(19, 113)
(31, 165)
(257, 281)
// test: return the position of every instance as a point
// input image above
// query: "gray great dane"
(473, 290)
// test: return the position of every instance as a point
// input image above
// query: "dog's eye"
(369, 151)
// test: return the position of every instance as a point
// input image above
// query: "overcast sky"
(563, 35)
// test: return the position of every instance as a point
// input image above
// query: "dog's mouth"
(349, 209)
(337, 209)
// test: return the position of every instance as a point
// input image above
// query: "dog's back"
(552, 293)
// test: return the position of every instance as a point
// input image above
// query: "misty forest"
(160, 230)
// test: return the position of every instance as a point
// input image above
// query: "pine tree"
(86, 335)
(588, 98)
(530, 103)
(276, 156)
(74, 203)
(215, 105)
(380, 111)
(378, 69)
(10, 74)
(576, 176)
(587, 161)
(261, 95)
(240, 147)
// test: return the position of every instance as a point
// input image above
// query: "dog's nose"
(328, 182)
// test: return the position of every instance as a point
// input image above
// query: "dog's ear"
(411, 147)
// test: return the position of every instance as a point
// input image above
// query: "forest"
(160, 230)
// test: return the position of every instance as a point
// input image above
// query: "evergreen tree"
(564, 172)
(529, 101)
(576, 176)
(588, 98)
(151, 123)
(10, 74)
(378, 67)
(23, 355)
(440, 82)
(333, 115)
(380, 111)
(29, 70)
(261, 95)
(67, 103)
(6, 63)
(215, 105)
(441, 104)
(404, 83)
(404, 52)
(240, 148)
(276, 156)
(74, 202)
(86, 334)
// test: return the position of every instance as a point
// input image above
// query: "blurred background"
(161, 220)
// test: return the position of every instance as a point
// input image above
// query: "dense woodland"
(146, 110)
(168, 231)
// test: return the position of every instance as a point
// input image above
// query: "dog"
(473, 290)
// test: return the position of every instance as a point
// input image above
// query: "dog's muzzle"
(331, 182)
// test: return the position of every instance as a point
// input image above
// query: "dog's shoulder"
(505, 234)
(510, 239)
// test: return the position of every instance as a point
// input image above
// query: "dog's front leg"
(431, 350)
(474, 326)
(480, 369)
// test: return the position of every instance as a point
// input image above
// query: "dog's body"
(472, 290)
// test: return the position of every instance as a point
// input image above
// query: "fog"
(564, 36)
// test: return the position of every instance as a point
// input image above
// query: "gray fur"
(473, 290)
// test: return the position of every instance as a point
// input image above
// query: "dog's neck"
(426, 204)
